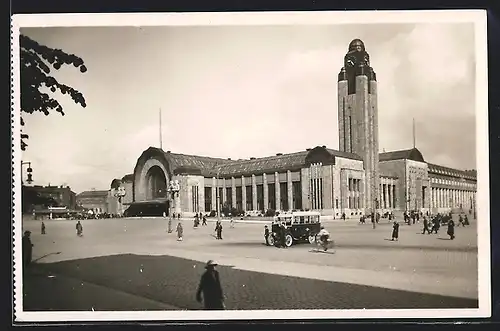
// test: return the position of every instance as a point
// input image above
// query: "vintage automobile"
(301, 226)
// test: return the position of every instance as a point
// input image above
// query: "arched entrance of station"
(156, 182)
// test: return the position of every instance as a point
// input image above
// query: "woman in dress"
(179, 231)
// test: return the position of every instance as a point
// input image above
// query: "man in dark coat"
(451, 229)
(436, 224)
(266, 234)
(218, 229)
(282, 235)
(395, 231)
(210, 287)
(43, 228)
(426, 226)
(79, 229)
(27, 248)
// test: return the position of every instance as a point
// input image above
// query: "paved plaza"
(134, 264)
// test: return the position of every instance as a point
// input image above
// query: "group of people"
(433, 225)
(197, 218)
(374, 217)
(179, 229)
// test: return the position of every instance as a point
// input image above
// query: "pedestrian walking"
(362, 219)
(460, 221)
(79, 229)
(466, 220)
(27, 248)
(180, 231)
(231, 222)
(395, 231)
(436, 224)
(266, 234)
(218, 229)
(210, 289)
(426, 226)
(204, 220)
(43, 228)
(451, 229)
(179, 216)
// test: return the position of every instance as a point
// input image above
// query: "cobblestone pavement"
(44, 291)
(423, 263)
(173, 281)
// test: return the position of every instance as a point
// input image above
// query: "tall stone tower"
(358, 118)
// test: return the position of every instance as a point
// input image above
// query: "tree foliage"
(37, 61)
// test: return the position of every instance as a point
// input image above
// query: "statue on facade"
(174, 188)
(119, 193)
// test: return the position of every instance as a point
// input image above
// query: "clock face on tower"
(350, 61)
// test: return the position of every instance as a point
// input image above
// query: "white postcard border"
(478, 17)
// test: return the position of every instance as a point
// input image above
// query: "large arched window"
(156, 183)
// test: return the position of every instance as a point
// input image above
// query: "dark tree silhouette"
(36, 62)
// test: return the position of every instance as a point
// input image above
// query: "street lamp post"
(29, 180)
(217, 197)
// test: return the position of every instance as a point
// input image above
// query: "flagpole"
(414, 138)
(161, 142)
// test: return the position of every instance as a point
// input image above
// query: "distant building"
(120, 194)
(97, 201)
(40, 197)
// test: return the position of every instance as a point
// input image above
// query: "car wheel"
(288, 240)
(311, 238)
(271, 240)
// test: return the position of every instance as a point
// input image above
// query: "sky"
(246, 91)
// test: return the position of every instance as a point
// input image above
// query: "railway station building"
(354, 180)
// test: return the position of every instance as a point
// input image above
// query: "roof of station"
(405, 154)
(446, 171)
(208, 166)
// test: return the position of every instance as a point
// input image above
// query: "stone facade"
(354, 180)
(358, 118)
(332, 184)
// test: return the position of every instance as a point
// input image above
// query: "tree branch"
(36, 63)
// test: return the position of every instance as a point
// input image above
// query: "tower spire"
(161, 142)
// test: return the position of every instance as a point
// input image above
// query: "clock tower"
(358, 119)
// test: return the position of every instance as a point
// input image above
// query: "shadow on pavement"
(322, 251)
(345, 244)
(172, 281)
